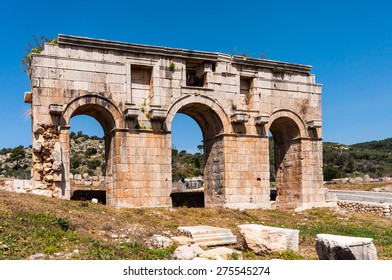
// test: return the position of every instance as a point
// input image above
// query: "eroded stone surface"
(221, 253)
(264, 239)
(337, 247)
(207, 235)
(187, 252)
(159, 241)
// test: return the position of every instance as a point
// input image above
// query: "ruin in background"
(134, 92)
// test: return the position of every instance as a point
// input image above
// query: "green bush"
(91, 151)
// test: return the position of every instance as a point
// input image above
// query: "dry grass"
(103, 232)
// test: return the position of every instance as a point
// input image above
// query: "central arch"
(212, 120)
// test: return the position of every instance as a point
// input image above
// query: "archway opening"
(197, 181)
(272, 167)
(187, 162)
(286, 172)
(89, 151)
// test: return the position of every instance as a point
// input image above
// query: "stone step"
(208, 236)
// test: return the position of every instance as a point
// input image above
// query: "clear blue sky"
(348, 43)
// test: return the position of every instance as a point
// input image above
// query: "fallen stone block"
(187, 252)
(264, 239)
(208, 236)
(182, 240)
(39, 256)
(337, 247)
(160, 241)
(221, 253)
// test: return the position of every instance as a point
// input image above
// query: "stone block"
(263, 239)
(57, 166)
(56, 154)
(187, 252)
(86, 177)
(207, 235)
(159, 241)
(37, 129)
(37, 147)
(57, 177)
(47, 193)
(336, 247)
(182, 240)
(221, 253)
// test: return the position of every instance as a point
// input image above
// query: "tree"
(17, 155)
(330, 173)
(91, 151)
(75, 162)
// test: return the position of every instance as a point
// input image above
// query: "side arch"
(98, 107)
(288, 131)
(293, 117)
(109, 117)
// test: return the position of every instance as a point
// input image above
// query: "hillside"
(61, 229)
(373, 158)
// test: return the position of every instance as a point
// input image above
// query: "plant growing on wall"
(279, 70)
(247, 97)
(36, 46)
(172, 66)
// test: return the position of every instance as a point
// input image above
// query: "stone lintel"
(239, 117)
(261, 119)
(28, 97)
(55, 109)
(314, 124)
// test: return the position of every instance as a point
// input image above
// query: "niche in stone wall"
(196, 73)
(141, 81)
(246, 89)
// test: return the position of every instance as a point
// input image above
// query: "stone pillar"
(140, 169)
(313, 194)
(288, 167)
(246, 172)
(214, 160)
(63, 184)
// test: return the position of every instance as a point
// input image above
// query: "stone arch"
(213, 122)
(108, 116)
(288, 130)
(203, 109)
(98, 107)
(295, 118)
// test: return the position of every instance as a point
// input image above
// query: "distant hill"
(373, 158)
(87, 156)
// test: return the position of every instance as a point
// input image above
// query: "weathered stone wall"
(17, 185)
(135, 91)
(382, 209)
(47, 159)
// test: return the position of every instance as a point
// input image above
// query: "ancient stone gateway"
(134, 92)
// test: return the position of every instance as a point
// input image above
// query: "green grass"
(32, 224)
